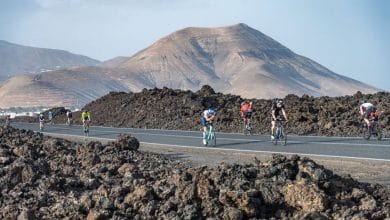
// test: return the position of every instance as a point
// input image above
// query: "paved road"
(336, 147)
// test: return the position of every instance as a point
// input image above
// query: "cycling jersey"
(86, 116)
(277, 109)
(41, 118)
(366, 109)
(204, 115)
(245, 107)
(366, 106)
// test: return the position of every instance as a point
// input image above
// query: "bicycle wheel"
(213, 139)
(283, 138)
(250, 128)
(366, 132)
(245, 130)
(276, 137)
(207, 139)
(379, 132)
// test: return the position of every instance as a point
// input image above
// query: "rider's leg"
(367, 122)
(204, 135)
(203, 122)
(273, 128)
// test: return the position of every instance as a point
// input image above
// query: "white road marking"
(257, 140)
(269, 152)
(236, 150)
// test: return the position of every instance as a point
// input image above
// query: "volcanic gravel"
(50, 178)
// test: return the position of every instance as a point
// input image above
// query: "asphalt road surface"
(335, 147)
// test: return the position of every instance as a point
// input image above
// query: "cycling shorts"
(369, 111)
(203, 122)
(278, 117)
(248, 114)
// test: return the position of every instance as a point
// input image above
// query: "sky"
(350, 37)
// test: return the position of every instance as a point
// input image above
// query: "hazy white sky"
(350, 37)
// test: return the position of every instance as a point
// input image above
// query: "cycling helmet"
(212, 110)
(363, 101)
(280, 101)
(41, 115)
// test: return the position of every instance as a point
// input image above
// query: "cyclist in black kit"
(277, 109)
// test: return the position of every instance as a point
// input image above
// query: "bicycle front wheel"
(244, 128)
(283, 138)
(379, 132)
(366, 132)
(213, 140)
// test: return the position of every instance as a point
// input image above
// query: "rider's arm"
(284, 114)
(361, 109)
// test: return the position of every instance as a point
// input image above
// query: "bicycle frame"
(279, 133)
(247, 124)
(7, 122)
(86, 127)
(210, 135)
(374, 129)
(41, 125)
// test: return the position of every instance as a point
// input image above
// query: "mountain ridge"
(19, 59)
(234, 59)
(228, 55)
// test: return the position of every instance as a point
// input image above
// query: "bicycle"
(7, 121)
(210, 135)
(41, 125)
(86, 129)
(247, 127)
(374, 129)
(279, 133)
(69, 122)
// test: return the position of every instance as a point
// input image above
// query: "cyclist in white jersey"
(207, 117)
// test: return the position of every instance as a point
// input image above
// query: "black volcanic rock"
(50, 178)
(175, 109)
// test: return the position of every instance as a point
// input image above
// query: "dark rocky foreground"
(175, 109)
(49, 178)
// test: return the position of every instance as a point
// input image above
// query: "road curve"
(334, 147)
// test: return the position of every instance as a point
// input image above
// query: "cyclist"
(69, 116)
(366, 110)
(277, 108)
(207, 117)
(246, 112)
(41, 121)
(86, 119)
(50, 117)
(7, 120)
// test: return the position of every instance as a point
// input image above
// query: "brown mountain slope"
(235, 59)
(114, 62)
(70, 87)
(16, 59)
